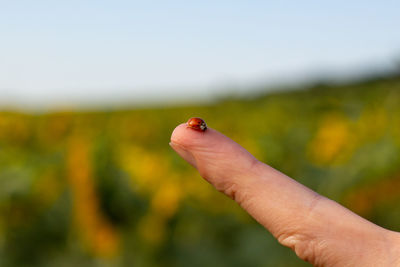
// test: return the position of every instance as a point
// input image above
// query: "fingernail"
(185, 154)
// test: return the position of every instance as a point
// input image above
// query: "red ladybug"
(197, 124)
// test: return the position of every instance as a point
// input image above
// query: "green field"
(103, 188)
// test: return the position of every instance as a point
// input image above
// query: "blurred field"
(105, 189)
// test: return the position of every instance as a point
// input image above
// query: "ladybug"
(197, 124)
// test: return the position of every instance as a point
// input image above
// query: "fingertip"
(186, 136)
(178, 132)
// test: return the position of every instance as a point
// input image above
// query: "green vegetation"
(104, 188)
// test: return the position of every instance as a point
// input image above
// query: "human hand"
(319, 230)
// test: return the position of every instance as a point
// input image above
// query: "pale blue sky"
(99, 51)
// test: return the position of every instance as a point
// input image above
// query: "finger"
(298, 217)
(212, 153)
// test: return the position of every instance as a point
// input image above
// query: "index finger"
(294, 214)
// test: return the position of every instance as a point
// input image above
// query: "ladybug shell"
(197, 124)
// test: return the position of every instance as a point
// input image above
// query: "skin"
(317, 229)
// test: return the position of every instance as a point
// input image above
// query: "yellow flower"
(333, 142)
(165, 202)
(96, 231)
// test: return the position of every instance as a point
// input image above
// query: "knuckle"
(235, 192)
(231, 190)
(305, 247)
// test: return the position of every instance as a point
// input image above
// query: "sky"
(83, 52)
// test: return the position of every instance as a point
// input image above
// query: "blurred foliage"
(105, 189)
